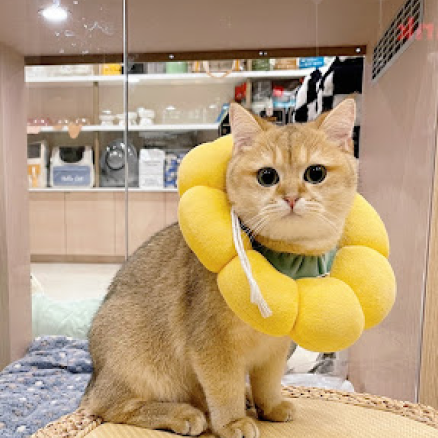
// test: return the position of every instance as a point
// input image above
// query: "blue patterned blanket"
(46, 384)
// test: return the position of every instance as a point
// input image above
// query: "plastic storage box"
(72, 167)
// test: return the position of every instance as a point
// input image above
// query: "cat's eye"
(267, 177)
(315, 174)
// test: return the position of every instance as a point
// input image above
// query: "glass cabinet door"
(183, 74)
(74, 84)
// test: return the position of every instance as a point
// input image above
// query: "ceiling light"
(54, 12)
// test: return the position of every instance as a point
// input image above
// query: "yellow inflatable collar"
(320, 314)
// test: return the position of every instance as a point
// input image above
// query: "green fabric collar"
(298, 265)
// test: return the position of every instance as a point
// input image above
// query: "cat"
(167, 351)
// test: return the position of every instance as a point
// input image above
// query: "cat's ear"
(320, 119)
(263, 123)
(338, 124)
(244, 128)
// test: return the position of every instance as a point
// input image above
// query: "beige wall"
(249, 24)
(15, 313)
(397, 164)
(195, 25)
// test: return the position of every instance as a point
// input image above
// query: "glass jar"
(172, 115)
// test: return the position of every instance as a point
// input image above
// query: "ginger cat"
(167, 351)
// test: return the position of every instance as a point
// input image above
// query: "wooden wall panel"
(146, 216)
(90, 223)
(429, 351)
(15, 299)
(172, 200)
(47, 223)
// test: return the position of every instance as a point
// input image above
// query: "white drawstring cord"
(256, 294)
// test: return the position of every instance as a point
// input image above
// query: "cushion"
(72, 318)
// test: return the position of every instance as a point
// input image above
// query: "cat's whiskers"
(259, 222)
(321, 211)
(256, 222)
(318, 205)
(255, 228)
(311, 203)
(273, 208)
(327, 221)
(261, 215)
(257, 231)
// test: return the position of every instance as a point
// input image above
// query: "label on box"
(150, 181)
(71, 176)
(151, 168)
(312, 62)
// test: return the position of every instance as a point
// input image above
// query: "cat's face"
(294, 184)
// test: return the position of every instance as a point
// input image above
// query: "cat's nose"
(291, 201)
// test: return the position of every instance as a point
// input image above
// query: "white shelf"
(72, 80)
(153, 128)
(167, 79)
(104, 189)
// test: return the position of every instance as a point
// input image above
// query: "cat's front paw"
(243, 428)
(282, 413)
(189, 421)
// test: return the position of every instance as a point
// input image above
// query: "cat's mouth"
(293, 212)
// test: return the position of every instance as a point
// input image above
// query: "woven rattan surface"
(80, 424)
(75, 425)
(421, 413)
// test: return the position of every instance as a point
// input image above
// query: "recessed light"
(358, 50)
(55, 12)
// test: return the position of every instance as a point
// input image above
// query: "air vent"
(399, 35)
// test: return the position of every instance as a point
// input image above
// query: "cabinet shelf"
(166, 79)
(153, 128)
